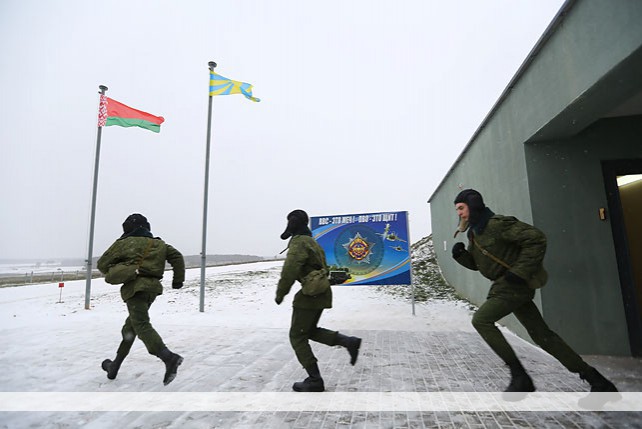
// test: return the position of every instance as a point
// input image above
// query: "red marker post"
(60, 286)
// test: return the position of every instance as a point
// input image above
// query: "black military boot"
(352, 344)
(172, 362)
(314, 383)
(598, 382)
(111, 367)
(520, 381)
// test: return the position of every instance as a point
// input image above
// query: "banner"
(365, 249)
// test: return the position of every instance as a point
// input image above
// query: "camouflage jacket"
(152, 268)
(519, 244)
(304, 255)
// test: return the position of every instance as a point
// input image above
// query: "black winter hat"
(297, 223)
(472, 199)
(475, 203)
(134, 221)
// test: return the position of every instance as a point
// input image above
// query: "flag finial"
(102, 88)
(212, 65)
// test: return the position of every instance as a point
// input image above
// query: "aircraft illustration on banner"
(390, 236)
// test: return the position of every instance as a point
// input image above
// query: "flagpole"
(211, 65)
(90, 249)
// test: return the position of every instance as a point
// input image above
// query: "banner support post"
(412, 286)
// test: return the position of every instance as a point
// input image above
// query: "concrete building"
(555, 151)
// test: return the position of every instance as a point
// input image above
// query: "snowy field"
(238, 359)
(50, 346)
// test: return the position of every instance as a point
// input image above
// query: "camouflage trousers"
(505, 298)
(138, 325)
(304, 328)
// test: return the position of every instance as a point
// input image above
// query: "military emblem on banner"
(359, 249)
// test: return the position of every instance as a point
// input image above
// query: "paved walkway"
(442, 362)
(239, 368)
(257, 365)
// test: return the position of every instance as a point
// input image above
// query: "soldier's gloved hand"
(514, 278)
(177, 285)
(458, 249)
(278, 300)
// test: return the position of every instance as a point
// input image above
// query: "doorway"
(623, 182)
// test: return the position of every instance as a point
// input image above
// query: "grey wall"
(583, 300)
(566, 86)
(587, 64)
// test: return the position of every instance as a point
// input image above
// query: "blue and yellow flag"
(220, 85)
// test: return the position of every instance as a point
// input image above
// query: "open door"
(623, 182)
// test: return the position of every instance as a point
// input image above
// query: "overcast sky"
(365, 105)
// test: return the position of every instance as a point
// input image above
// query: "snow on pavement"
(52, 346)
(237, 354)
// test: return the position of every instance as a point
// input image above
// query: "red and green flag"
(111, 112)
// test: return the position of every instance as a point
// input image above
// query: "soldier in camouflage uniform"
(522, 247)
(304, 256)
(138, 246)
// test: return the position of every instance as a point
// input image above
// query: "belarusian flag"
(111, 112)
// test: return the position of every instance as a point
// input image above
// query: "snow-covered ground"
(236, 296)
(237, 353)
(52, 346)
